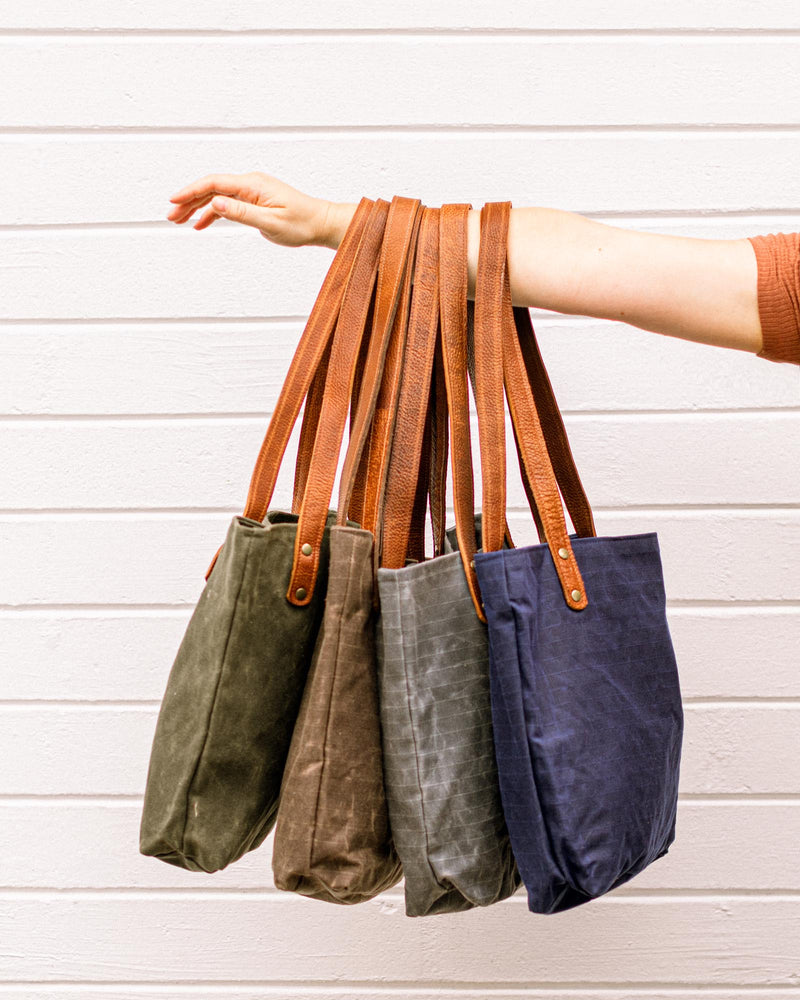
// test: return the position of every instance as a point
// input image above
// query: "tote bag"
(332, 839)
(441, 779)
(226, 719)
(585, 694)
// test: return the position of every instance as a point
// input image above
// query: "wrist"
(334, 221)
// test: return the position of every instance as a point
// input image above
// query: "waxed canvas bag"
(332, 839)
(441, 779)
(226, 719)
(585, 694)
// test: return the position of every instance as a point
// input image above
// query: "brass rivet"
(300, 593)
(306, 549)
(563, 553)
(472, 564)
(576, 595)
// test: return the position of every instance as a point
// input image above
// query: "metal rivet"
(472, 564)
(576, 595)
(306, 549)
(563, 553)
(300, 593)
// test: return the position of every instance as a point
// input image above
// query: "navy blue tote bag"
(586, 703)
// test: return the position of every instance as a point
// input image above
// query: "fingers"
(238, 211)
(231, 184)
(206, 219)
(183, 212)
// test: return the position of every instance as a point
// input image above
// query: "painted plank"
(624, 460)
(248, 15)
(720, 846)
(731, 749)
(719, 170)
(623, 941)
(238, 367)
(101, 655)
(396, 80)
(22, 991)
(227, 272)
(156, 559)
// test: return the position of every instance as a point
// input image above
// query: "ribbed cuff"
(778, 257)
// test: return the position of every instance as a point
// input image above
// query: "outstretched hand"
(281, 213)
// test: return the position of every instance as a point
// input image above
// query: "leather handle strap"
(393, 268)
(525, 418)
(471, 370)
(376, 459)
(454, 316)
(308, 430)
(307, 356)
(350, 330)
(488, 322)
(555, 433)
(412, 405)
(439, 440)
(416, 534)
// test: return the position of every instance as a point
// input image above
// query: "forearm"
(696, 289)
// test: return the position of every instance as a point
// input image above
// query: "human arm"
(716, 292)
(696, 289)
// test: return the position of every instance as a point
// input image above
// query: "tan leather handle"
(375, 459)
(525, 417)
(393, 269)
(412, 405)
(439, 440)
(310, 350)
(308, 430)
(454, 317)
(555, 433)
(488, 321)
(350, 330)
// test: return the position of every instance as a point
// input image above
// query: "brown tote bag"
(332, 837)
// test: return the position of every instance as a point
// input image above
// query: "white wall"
(140, 363)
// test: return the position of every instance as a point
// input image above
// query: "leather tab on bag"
(350, 329)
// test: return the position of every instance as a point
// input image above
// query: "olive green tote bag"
(226, 718)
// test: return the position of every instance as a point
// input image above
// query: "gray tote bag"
(441, 779)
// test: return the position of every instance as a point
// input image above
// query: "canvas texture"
(225, 723)
(332, 839)
(442, 787)
(587, 714)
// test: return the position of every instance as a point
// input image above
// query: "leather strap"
(357, 503)
(454, 310)
(525, 418)
(489, 376)
(308, 431)
(471, 369)
(415, 552)
(350, 330)
(308, 354)
(553, 427)
(412, 406)
(378, 451)
(392, 269)
(439, 442)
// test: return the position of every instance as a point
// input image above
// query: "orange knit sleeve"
(778, 257)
